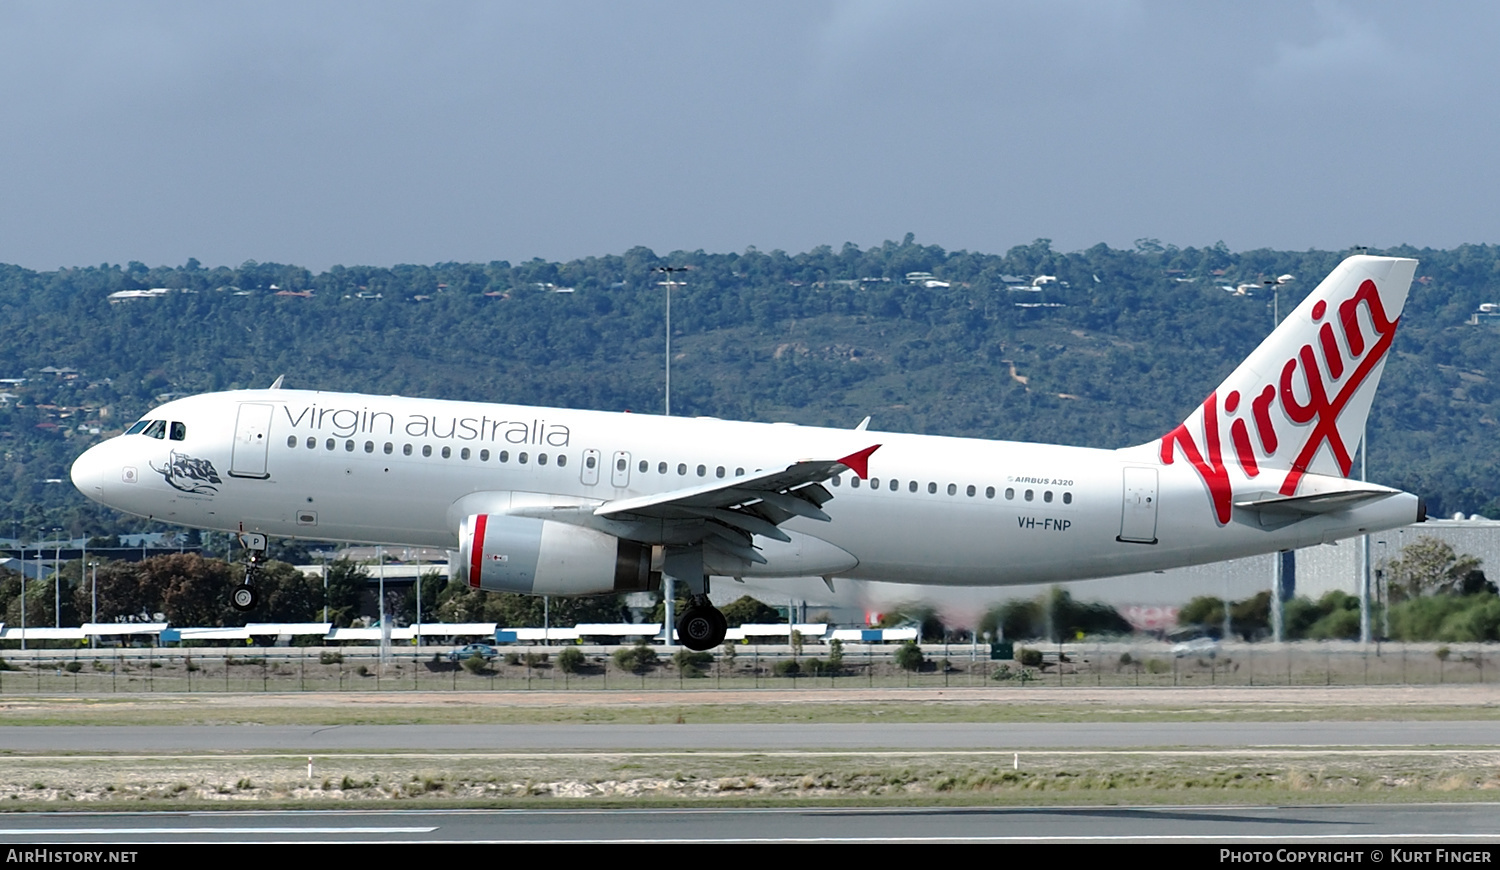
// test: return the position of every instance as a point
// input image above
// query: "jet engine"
(544, 557)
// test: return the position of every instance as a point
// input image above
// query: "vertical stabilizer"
(1297, 405)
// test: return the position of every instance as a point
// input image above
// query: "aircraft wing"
(774, 496)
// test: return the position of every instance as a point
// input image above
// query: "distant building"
(1488, 313)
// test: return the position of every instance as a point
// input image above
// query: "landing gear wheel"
(702, 627)
(244, 598)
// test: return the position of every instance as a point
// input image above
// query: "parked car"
(483, 650)
(1205, 647)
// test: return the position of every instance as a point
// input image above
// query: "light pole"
(669, 284)
(94, 599)
(1276, 558)
(23, 589)
(1275, 285)
(57, 578)
(669, 591)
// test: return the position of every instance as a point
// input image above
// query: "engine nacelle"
(542, 557)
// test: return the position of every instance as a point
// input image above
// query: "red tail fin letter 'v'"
(1215, 475)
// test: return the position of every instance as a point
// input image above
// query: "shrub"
(73, 667)
(787, 668)
(835, 656)
(638, 659)
(571, 660)
(909, 656)
(690, 663)
(332, 658)
(535, 659)
(1028, 657)
(475, 664)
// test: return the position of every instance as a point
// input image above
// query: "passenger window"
(447, 452)
(590, 462)
(312, 443)
(349, 446)
(1010, 493)
(1067, 498)
(931, 488)
(541, 459)
(854, 483)
(874, 483)
(719, 472)
(1029, 495)
(388, 448)
(661, 468)
(562, 459)
(912, 486)
(1047, 496)
(682, 468)
(739, 472)
(970, 491)
(369, 446)
(521, 457)
(643, 466)
(328, 445)
(505, 456)
(895, 484)
(484, 456)
(620, 464)
(179, 431)
(464, 453)
(953, 489)
(989, 492)
(406, 450)
(426, 449)
(291, 440)
(702, 470)
(834, 480)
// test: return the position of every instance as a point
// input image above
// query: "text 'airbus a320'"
(562, 502)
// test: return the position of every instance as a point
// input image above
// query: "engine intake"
(543, 557)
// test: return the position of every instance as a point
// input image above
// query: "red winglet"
(859, 463)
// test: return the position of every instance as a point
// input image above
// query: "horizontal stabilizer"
(1310, 505)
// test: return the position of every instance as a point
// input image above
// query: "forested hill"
(1115, 351)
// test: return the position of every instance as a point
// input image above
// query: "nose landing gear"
(244, 597)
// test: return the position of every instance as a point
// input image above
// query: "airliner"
(553, 501)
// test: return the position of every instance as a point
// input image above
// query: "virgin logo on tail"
(1292, 419)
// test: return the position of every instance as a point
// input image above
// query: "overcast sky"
(381, 133)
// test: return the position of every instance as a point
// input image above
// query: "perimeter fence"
(1040, 665)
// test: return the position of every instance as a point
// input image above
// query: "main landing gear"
(702, 626)
(244, 597)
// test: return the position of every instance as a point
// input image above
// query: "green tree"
(1429, 566)
(347, 584)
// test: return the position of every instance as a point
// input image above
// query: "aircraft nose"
(97, 470)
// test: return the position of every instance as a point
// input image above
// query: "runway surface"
(1310, 827)
(753, 737)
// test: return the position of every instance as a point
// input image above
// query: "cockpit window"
(179, 431)
(157, 429)
(136, 429)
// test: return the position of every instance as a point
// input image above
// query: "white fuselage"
(937, 510)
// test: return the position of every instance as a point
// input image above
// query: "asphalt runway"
(1315, 827)
(750, 737)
